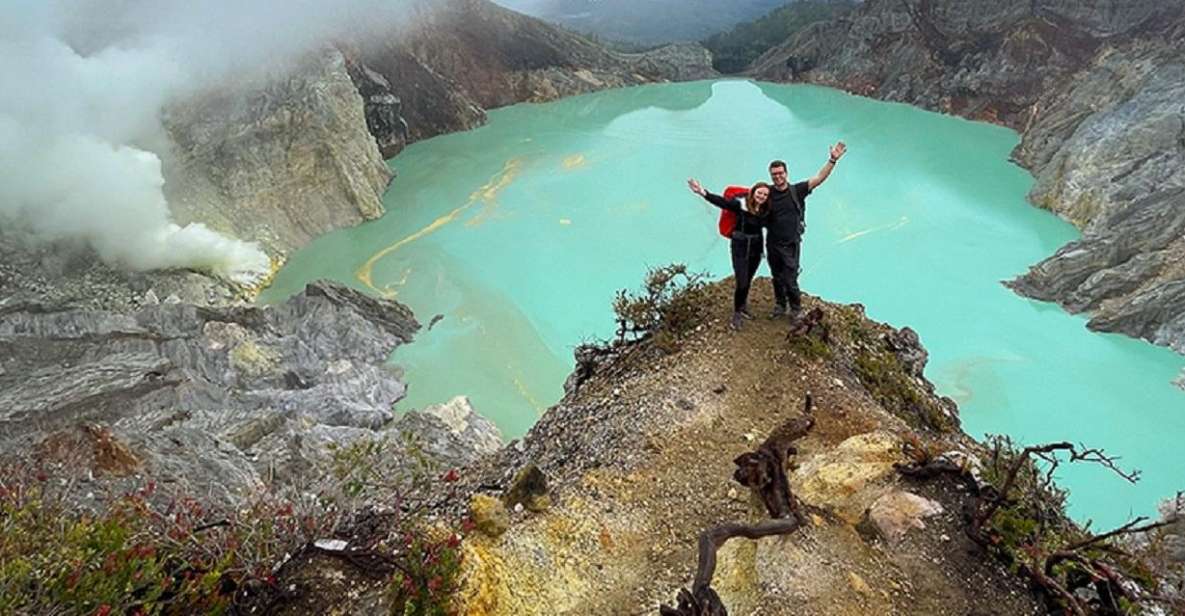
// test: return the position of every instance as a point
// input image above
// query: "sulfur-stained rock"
(836, 479)
(529, 489)
(489, 514)
(858, 584)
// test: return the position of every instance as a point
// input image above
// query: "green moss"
(811, 347)
(886, 379)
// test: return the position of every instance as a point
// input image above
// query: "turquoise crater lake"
(520, 232)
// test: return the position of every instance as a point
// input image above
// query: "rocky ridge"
(637, 459)
(279, 159)
(1096, 91)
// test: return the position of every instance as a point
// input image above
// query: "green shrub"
(671, 304)
(811, 346)
(147, 553)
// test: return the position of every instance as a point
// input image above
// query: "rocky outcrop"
(384, 109)
(279, 158)
(1096, 91)
(1119, 173)
(218, 400)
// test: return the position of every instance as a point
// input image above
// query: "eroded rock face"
(219, 399)
(279, 159)
(1128, 273)
(1097, 90)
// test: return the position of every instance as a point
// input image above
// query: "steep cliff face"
(278, 159)
(1096, 90)
(465, 56)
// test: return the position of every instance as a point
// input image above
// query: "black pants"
(783, 265)
(746, 257)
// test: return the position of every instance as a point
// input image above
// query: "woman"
(746, 240)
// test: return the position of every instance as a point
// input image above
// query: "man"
(787, 221)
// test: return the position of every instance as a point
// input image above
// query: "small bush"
(146, 553)
(672, 303)
(1035, 514)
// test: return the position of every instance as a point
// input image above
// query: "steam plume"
(83, 84)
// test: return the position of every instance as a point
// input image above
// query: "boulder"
(897, 512)
(489, 514)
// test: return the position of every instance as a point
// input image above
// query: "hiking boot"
(794, 315)
(746, 314)
(778, 312)
(738, 321)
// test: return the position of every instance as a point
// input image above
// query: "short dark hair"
(776, 164)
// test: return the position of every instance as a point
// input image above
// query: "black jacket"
(747, 224)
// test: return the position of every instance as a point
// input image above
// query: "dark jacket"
(747, 224)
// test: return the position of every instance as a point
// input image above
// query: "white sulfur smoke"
(82, 85)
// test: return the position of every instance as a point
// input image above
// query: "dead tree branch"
(764, 470)
(702, 600)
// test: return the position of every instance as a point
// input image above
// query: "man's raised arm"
(837, 152)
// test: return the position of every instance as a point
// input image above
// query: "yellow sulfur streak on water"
(575, 161)
(892, 227)
(487, 193)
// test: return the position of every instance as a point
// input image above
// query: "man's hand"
(696, 187)
(838, 150)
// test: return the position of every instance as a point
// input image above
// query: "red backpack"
(728, 220)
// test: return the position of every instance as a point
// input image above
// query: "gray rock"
(452, 431)
(896, 513)
(218, 399)
(1126, 271)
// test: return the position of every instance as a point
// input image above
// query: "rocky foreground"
(1098, 95)
(598, 509)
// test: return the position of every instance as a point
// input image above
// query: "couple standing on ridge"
(781, 209)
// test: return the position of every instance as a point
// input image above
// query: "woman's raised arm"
(732, 205)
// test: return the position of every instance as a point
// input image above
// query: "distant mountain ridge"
(734, 50)
(649, 22)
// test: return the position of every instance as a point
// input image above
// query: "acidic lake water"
(520, 233)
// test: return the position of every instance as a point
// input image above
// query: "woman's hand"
(696, 187)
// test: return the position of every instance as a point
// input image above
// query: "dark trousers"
(746, 257)
(783, 265)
